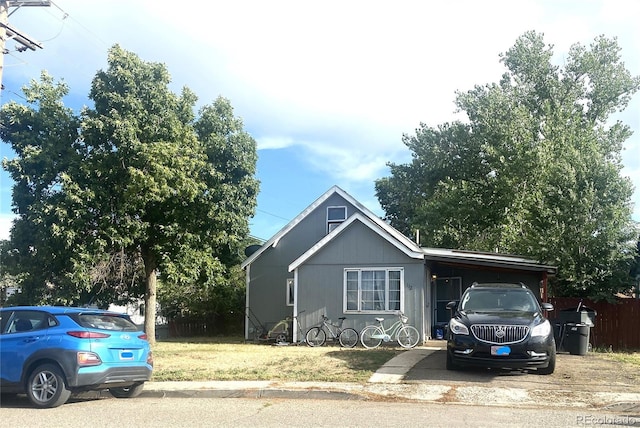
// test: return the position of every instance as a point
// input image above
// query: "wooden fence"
(617, 325)
(229, 325)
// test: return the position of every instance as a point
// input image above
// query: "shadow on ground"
(432, 368)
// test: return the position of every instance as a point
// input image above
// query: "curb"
(387, 384)
(628, 403)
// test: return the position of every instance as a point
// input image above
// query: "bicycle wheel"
(367, 336)
(408, 336)
(348, 338)
(316, 336)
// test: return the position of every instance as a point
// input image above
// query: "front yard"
(202, 359)
(199, 359)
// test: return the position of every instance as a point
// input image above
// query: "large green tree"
(145, 187)
(44, 135)
(535, 170)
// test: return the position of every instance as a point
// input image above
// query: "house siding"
(321, 278)
(318, 262)
(269, 272)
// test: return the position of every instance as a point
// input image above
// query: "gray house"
(337, 258)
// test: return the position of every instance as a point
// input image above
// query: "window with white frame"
(335, 217)
(376, 290)
(290, 292)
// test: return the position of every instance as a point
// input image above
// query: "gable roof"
(411, 250)
(400, 241)
(366, 213)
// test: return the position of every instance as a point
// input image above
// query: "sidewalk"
(389, 383)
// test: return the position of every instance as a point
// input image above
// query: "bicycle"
(406, 335)
(317, 336)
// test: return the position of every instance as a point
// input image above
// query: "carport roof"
(486, 259)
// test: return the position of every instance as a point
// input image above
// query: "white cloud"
(340, 80)
(346, 165)
(274, 143)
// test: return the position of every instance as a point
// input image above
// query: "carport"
(450, 272)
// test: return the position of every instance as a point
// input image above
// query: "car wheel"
(46, 387)
(127, 391)
(450, 364)
(552, 365)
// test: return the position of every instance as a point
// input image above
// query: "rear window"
(113, 322)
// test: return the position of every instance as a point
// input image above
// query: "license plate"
(500, 350)
(126, 355)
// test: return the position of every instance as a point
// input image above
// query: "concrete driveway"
(590, 373)
(590, 381)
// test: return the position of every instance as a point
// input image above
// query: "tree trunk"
(150, 296)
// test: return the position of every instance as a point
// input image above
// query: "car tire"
(450, 364)
(46, 387)
(127, 391)
(551, 366)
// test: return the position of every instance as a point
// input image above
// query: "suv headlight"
(456, 327)
(542, 329)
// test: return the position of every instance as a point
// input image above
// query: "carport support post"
(545, 297)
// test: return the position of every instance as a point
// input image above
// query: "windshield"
(499, 300)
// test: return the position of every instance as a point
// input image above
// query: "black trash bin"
(578, 315)
(571, 336)
(577, 338)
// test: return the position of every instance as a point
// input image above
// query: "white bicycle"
(406, 335)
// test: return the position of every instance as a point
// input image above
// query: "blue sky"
(326, 88)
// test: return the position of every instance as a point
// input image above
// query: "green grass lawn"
(201, 359)
(231, 358)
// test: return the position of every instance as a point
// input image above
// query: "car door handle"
(31, 339)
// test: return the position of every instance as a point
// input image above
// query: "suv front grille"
(500, 334)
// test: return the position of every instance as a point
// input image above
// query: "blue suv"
(50, 352)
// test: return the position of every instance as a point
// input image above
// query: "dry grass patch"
(201, 359)
(630, 357)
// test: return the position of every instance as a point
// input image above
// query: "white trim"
(296, 321)
(495, 259)
(246, 302)
(333, 224)
(359, 270)
(364, 211)
(412, 252)
(276, 238)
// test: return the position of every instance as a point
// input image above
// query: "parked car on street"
(50, 352)
(500, 326)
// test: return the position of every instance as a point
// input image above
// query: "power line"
(273, 215)
(79, 24)
(62, 21)
(8, 32)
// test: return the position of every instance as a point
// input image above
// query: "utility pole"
(9, 33)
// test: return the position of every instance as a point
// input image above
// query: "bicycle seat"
(379, 319)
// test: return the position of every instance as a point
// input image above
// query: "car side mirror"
(452, 305)
(547, 306)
